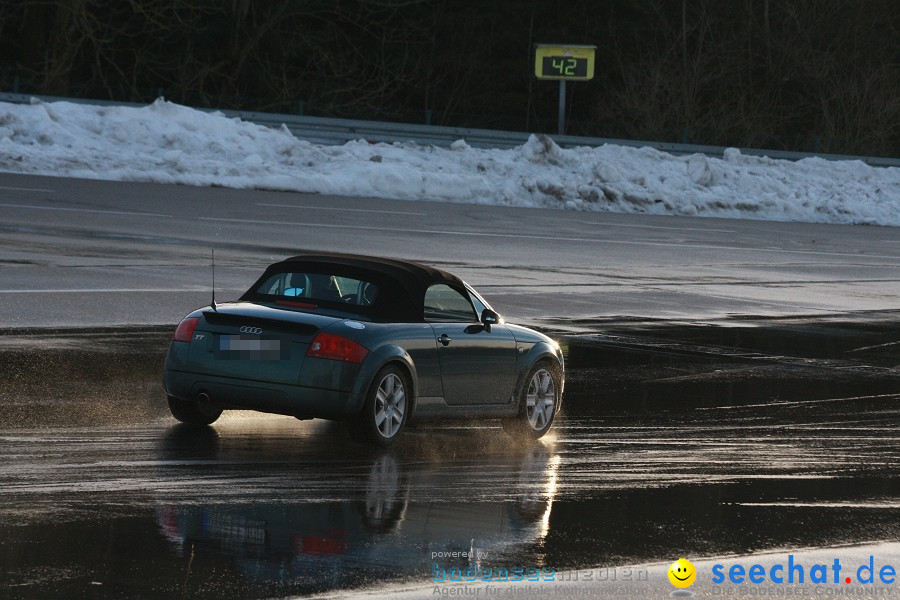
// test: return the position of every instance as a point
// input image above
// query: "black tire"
(377, 406)
(193, 412)
(531, 422)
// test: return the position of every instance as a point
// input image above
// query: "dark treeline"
(804, 74)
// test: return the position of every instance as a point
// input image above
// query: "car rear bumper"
(293, 400)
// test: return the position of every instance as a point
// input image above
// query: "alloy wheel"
(540, 399)
(390, 405)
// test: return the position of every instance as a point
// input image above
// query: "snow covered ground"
(168, 143)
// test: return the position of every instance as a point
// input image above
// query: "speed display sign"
(563, 62)
(557, 61)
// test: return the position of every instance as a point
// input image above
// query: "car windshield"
(319, 287)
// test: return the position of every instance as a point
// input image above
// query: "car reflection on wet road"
(262, 506)
(375, 518)
(268, 506)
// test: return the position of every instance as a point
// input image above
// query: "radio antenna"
(213, 303)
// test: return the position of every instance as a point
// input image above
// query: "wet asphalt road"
(733, 388)
(268, 507)
(77, 252)
(676, 440)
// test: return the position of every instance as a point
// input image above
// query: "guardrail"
(324, 130)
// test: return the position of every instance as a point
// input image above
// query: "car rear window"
(319, 287)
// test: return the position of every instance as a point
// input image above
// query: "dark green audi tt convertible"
(373, 341)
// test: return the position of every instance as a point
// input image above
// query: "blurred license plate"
(249, 347)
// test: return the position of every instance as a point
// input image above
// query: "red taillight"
(185, 330)
(335, 347)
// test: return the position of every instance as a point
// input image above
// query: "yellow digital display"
(558, 61)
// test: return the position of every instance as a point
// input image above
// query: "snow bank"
(168, 143)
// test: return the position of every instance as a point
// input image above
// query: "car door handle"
(445, 339)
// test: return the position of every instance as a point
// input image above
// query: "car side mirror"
(488, 318)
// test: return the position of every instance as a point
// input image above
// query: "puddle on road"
(264, 510)
(677, 440)
(109, 376)
(644, 367)
(272, 508)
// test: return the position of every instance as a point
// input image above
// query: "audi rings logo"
(251, 330)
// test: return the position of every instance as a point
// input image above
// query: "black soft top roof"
(402, 283)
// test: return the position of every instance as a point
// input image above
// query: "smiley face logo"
(682, 573)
